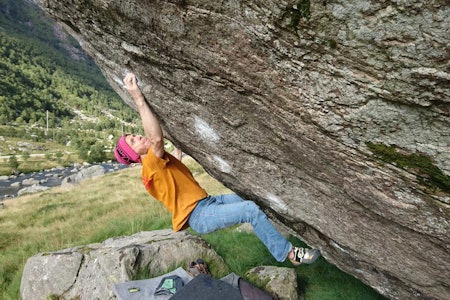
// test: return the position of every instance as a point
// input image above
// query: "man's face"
(138, 143)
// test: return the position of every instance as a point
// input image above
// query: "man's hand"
(131, 86)
(177, 153)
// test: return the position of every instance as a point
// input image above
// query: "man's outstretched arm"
(151, 125)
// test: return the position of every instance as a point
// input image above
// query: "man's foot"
(304, 256)
(198, 267)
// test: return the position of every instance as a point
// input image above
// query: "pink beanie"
(124, 154)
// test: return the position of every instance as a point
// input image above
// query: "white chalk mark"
(337, 246)
(118, 81)
(222, 164)
(205, 132)
(276, 202)
(132, 48)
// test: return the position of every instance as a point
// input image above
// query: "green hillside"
(44, 72)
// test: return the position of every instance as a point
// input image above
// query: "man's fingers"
(129, 80)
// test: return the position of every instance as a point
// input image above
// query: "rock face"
(288, 102)
(274, 280)
(35, 188)
(89, 272)
(86, 173)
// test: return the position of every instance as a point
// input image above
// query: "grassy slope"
(59, 219)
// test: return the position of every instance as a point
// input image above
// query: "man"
(168, 180)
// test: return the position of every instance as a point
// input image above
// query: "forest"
(50, 88)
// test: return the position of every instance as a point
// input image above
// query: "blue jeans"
(221, 211)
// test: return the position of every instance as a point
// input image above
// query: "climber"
(168, 180)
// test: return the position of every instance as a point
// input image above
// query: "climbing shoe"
(304, 256)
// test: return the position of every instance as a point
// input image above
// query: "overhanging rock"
(286, 102)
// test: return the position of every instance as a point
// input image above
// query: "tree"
(96, 153)
(26, 155)
(13, 164)
(59, 155)
(49, 156)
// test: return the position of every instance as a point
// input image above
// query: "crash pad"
(205, 287)
(144, 289)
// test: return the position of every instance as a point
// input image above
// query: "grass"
(117, 204)
(421, 165)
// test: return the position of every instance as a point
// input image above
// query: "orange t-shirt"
(171, 182)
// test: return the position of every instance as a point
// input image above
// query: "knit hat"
(124, 153)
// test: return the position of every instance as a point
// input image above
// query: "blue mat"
(205, 287)
(144, 289)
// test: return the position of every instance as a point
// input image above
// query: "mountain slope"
(44, 71)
